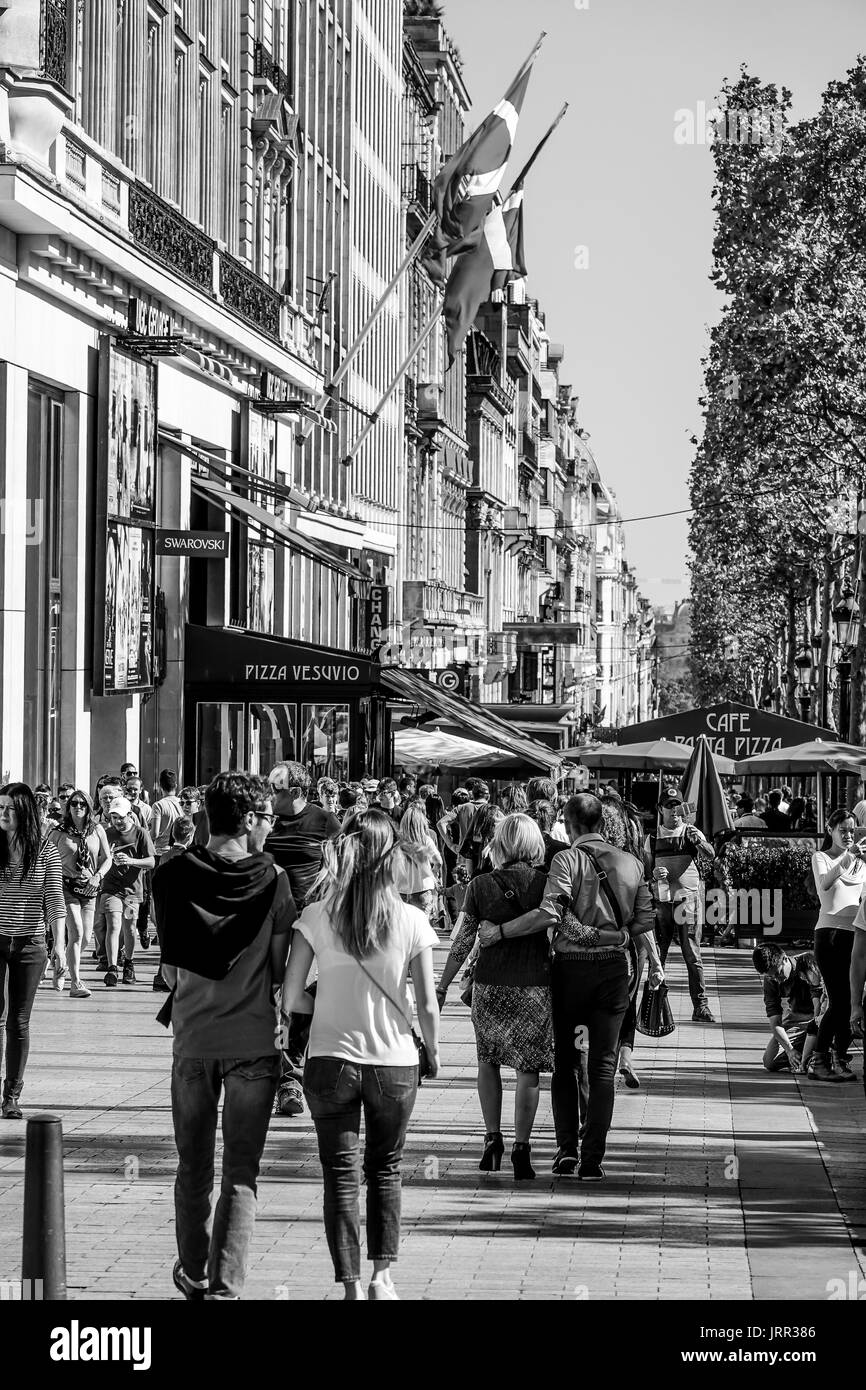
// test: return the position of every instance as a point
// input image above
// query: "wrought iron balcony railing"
(157, 227)
(53, 40)
(249, 295)
(267, 70)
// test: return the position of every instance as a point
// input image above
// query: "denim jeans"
(249, 1086)
(336, 1093)
(595, 994)
(833, 957)
(666, 929)
(22, 961)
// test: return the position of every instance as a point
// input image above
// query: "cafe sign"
(731, 730)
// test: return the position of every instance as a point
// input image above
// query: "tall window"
(43, 523)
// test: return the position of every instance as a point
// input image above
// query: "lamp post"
(846, 620)
(803, 663)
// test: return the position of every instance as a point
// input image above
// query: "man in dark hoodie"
(224, 914)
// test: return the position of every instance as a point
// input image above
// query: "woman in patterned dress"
(511, 992)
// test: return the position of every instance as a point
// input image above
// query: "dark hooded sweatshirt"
(216, 918)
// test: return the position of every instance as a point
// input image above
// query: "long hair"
(621, 827)
(358, 879)
(414, 828)
(838, 817)
(28, 836)
(68, 824)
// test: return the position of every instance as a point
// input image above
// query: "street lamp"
(803, 663)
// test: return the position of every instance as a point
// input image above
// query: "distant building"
(673, 630)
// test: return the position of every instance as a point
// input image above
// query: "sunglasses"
(78, 805)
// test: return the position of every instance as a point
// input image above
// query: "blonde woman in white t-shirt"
(366, 944)
(840, 880)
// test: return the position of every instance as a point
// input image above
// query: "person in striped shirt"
(31, 895)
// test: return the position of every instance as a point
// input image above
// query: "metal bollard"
(43, 1256)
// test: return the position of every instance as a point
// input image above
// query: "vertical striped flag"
(465, 188)
(496, 259)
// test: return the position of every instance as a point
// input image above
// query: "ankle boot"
(10, 1109)
(494, 1148)
(520, 1161)
(820, 1069)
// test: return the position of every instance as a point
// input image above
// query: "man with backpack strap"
(596, 901)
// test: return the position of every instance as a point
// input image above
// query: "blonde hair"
(358, 876)
(414, 826)
(517, 840)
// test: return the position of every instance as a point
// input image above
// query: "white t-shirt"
(353, 1020)
(839, 902)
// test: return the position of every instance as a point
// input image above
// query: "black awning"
(275, 526)
(475, 720)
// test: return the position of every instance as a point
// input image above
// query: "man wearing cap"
(122, 889)
(671, 857)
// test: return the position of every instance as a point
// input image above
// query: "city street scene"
(433, 665)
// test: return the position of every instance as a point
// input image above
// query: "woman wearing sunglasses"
(86, 858)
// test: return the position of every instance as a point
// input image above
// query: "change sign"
(201, 545)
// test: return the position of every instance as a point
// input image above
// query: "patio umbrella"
(657, 754)
(423, 748)
(803, 758)
(702, 788)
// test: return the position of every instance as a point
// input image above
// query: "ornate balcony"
(438, 605)
(53, 40)
(265, 69)
(249, 295)
(162, 231)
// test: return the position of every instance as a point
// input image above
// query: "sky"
(619, 221)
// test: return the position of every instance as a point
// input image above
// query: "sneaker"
(110, 976)
(192, 1289)
(144, 938)
(702, 1015)
(159, 984)
(382, 1292)
(565, 1161)
(128, 976)
(290, 1099)
(79, 991)
(59, 975)
(590, 1172)
(630, 1077)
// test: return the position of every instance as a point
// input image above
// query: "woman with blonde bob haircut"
(366, 943)
(511, 990)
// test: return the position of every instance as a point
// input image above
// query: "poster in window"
(123, 657)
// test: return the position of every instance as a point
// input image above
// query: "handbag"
(84, 862)
(468, 982)
(420, 1045)
(655, 1017)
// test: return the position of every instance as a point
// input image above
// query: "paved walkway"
(723, 1181)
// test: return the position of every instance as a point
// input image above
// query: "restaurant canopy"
(817, 755)
(735, 731)
(463, 717)
(657, 755)
(416, 748)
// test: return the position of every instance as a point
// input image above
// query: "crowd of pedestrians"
(296, 922)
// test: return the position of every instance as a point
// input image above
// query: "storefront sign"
(125, 522)
(147, 321)
(204, 545)
(732, 730)
(275, 388)
(378, 616)
(331, 673)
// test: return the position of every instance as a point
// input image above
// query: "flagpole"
(412, 254)
(521, 177)
(342, 371)
(402, 370)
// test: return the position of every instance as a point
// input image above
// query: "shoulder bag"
(420, 1045)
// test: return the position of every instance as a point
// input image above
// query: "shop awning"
(275, 526)
(474, 720)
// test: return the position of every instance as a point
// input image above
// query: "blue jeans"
(336, 1092)
(669, 928)
(250, 1084)
(22, 961)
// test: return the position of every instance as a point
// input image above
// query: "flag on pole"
(465, 188)
(490, 265)
(497, 259)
